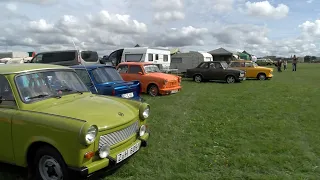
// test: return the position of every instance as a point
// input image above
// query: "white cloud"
(265, 9)
(168, 10)
(11, 7)
(311, 29)
(309, 1)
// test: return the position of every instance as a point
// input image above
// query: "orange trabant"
(152, 80)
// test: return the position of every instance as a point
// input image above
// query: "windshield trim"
(106, 71)
(47, 97)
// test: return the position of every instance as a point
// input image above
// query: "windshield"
(89, 56)
(224, 65)
(41, 85)
(106, 74)
(151, 68)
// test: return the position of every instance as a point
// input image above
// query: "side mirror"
(140, 73)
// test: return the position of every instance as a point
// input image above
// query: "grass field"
(249, 130)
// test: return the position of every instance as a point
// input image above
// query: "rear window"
(133, 57)
(58, 56)
(89, 56)
(106, 74)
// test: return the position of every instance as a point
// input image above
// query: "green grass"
(249, 130)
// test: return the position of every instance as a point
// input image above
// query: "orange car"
(152, 80)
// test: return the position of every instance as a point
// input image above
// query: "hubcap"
(197, 79)
(153, 91)
(50, 169)
(262, 77)
(230, 79)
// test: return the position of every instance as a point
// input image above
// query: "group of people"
(285, 64)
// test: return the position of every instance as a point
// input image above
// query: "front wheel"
(262, 77)
(153, 90)
(49, 165)
(230, 79)
(197, 78)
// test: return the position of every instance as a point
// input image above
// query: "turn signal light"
(89, 155)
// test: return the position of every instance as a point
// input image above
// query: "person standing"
(279, 65)
(285, 63)
(294, 63)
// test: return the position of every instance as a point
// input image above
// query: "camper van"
(189, 60)
(140, 54)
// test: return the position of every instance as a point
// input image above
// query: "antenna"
(84, 64)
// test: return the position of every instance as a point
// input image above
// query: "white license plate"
(241, 75)
(174, 91)
(128, 95)
(127, 153)
(244, 78)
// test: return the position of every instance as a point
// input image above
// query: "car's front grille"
(173, 84)
(118, 136)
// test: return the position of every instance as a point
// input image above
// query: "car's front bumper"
(171, 90)
(105, 165)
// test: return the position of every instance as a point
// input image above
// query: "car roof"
(26, 67)
(136, 63)
(91, 66)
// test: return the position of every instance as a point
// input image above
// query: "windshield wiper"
(44, 95)
(69, 90)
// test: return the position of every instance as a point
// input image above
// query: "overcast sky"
(275, 27)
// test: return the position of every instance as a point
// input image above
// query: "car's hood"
(96, 110)
(168, 77)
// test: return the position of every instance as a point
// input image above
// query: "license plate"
(174, 91)
(127, 95)
(127, 153)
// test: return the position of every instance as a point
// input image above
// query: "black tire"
(197, 78)
(261, 76)
(153, 90)
(46, 156)
(230, 79)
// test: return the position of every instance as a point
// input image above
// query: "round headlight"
(91, 134)
(104, 151)
(142, 130)
(146, 112)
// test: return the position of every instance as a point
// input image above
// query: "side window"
(150, 57)
(212, 65)
(235, 64)
(204, 65)
(165, 58)
(249, 65)
(176, 60)
(157, 56)
(84, 76)
(113, 58)
(37, 58)
(123, 69)
(242, 64)
(134, 69)
(133, 57)
(6, 95)
(218, 65)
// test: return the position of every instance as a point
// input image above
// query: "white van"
(140, 54)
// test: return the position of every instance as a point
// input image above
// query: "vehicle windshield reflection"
(47, 84)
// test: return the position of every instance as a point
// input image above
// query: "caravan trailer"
(140, 54)
(188, 60)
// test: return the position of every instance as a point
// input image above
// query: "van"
(140, 54)
(67, 57)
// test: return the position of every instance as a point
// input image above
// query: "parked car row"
(236, 71)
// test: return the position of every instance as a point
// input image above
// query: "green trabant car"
(51, 123)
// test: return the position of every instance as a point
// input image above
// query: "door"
(251, 71)
(135, 72)
(212, 72)
(7, 109)
(219, 72)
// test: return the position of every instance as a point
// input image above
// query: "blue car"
(105, 80)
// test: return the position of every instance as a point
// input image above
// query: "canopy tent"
(243, 56)
(221, 54)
